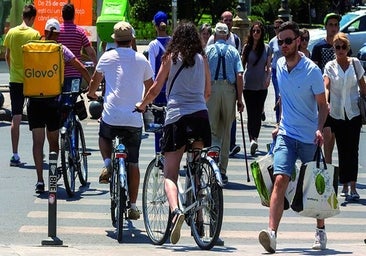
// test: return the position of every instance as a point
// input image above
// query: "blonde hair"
(342, 37)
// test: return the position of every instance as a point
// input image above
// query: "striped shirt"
(75, 39)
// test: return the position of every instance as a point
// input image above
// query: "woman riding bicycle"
(186, 70)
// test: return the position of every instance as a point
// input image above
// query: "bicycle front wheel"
(82, 156)
(206, 220)
(155, 206)
(68, 168)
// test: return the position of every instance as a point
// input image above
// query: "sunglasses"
(258, 31)
(287, 41)
(338, 47)
(306, 39)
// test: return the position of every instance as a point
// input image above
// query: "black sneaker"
(39, 187)
(225, 179)
(263, 116)
(234, 150)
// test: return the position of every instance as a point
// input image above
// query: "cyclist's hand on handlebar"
(139, 108)
(92, 96)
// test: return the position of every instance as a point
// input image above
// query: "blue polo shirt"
(299, 119)
(232, 61)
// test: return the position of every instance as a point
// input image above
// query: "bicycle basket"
(80, 110)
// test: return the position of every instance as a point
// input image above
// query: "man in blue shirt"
(304, 110)
(226, 73)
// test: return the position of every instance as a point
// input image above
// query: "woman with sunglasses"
(305, 37)
(343, 78)
(256, 59)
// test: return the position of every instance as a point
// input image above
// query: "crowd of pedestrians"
(202, 76)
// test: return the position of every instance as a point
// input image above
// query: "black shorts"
(328, 122)
(196, 126)
(16, 98)
(131, 138)
(44, 112)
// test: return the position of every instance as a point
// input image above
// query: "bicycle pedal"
(86, 154)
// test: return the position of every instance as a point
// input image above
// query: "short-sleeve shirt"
(344, 89)
(125, 72)
(232, 61)
(298, 88)
(322, 53)
(75, 39)
(14, 39)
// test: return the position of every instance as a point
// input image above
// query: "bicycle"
(119, 186)
(73, 147)
(200, 197)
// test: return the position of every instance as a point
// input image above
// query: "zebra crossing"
(86, 217)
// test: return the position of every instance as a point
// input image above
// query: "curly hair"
(186, 43)
(250, 42)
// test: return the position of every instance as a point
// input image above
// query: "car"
(361, 55)
(352, 23)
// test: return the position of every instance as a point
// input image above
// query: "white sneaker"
(320, 242)
(267, 238)
(253, 147)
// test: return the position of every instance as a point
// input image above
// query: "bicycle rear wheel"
(206, 220)
(68, 168)
(82, 155)
(155, 206)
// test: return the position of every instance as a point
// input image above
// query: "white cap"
(52, 23)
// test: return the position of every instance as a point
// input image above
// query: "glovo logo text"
(34, 73)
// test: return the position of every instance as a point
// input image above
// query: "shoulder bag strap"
(175, 77)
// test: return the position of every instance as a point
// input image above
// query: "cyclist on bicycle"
(125, 72)
(44, 112)
(186, 115)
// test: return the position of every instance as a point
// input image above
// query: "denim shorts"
(287, 150)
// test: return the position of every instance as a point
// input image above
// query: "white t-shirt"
(125, 72)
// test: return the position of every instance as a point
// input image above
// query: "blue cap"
(160, 17)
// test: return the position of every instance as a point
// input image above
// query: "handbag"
(262, 172)
(361, 99)
(317, 187)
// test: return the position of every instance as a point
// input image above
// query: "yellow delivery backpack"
(43, 68)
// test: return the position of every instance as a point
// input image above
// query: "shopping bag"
(262, 172)
(362, 106)
(317, 187)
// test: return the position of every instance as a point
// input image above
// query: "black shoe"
(225, 179)
(219, 242)
(234, 150)
(39, 187)
(263, 117)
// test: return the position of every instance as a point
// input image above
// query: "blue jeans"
(287, 150)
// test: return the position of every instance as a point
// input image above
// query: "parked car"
(361, 55)
(352, 23)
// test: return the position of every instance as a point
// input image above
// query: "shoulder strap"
(175, 77)
(160, 45)
(221, 59)
(236, 37)
(353, 64)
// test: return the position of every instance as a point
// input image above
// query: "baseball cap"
(123, 31)
(221, 29)
(52, 23)
(332, 15)
(160, 17)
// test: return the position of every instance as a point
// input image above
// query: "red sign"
(47, 9)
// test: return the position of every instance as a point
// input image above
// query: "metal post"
(52, 202)
(174, 13)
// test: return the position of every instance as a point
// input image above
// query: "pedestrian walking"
(256, 58)
(227, 87)
(305, 37)
(234, 40)
(322, 53)
(45, 112)
(188, 87)
(74, 38)
(299, 132)
(343, 79)
(14, 39)
(127, 75)
(205, 31)
(276, 54)
(156, 49)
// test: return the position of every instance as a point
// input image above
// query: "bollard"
(52, 202)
